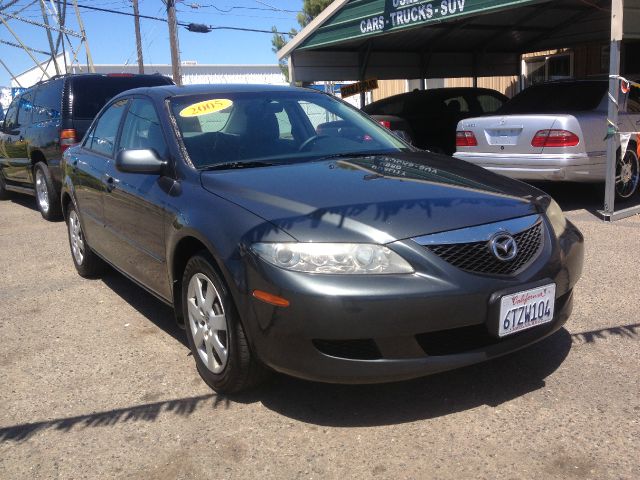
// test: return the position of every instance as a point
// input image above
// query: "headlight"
(349, 258)
(556, 217)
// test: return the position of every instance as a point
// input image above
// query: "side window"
(102, 137)
(457, 105)
(48, 102)
(489, 103)
(142, 128)
(317, 115)
(284, 125)
(26, 108)
(11, 118)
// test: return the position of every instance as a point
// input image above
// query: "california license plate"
(523, 310)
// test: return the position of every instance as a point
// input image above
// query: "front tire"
(217, 340)
(87, 263)
(4, 193)
(47, 198)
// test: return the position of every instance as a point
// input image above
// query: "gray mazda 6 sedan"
(292, 233)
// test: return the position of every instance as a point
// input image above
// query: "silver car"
(554, 131)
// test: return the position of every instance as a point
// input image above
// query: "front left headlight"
(333, 258)
(556, 217)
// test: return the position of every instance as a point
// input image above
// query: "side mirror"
(140, 161)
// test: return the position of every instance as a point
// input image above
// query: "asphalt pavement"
(96, 381)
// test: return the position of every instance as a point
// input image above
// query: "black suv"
(44, 120)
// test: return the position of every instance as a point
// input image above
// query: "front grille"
(360, 349)
(477, 257)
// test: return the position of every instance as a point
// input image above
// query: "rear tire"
(47, 198)
(87, 263)
(217, 340)
(627, 174)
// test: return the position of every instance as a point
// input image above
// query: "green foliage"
(310, 10)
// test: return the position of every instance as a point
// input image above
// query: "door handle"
(637, 122)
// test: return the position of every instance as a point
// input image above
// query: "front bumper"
(554, 167)
(373, 329)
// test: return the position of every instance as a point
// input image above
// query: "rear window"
(90, 94)
(48, 101)
(557, 98)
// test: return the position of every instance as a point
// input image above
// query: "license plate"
(504, 136)
(523, 310)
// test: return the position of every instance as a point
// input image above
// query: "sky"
(112, 39)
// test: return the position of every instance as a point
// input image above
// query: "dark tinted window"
(91, 93)
(489, 103)
(557, 98)
(11, 118)
(457, 105)
(102, 137)
(142, 128)
(48, 101)
(26, 108)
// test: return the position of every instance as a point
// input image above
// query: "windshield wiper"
(353, 155)
(237, 164)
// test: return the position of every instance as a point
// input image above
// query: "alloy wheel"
(627, 175)
(208, 322)
(76, 237)
(41, 191)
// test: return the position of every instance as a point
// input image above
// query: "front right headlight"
(333, 258)
(556, 217)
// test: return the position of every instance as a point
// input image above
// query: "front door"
(134, 206)
(14, 157)
(89, 166)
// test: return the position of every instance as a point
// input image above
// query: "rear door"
(134, 204)
(89, 166)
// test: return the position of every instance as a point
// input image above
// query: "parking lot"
(97, 382)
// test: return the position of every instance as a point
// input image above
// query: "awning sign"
(358, 87)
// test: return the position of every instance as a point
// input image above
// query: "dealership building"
(501, 44)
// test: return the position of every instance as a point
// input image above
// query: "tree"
(310, 10)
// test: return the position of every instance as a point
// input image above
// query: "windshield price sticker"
(206, 107)
(408, 12)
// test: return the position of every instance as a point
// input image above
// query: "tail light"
(385, 123)
(67, 139)
(555, 138)
(466, 139)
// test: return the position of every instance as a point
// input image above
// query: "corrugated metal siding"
(388, 88)
(506, 85)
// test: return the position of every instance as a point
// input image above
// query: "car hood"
(377, 198)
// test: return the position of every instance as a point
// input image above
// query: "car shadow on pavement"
(491, 383)
(24, 201)
(146, 304)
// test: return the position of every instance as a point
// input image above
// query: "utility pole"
(136, 19)
(84, 37)
(173, 41)
(45, 19)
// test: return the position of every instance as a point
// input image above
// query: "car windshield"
(557, 98)
(275, 127)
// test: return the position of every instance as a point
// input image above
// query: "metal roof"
(445, 38)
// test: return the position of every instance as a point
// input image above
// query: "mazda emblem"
(504, 247)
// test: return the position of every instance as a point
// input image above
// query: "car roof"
(440, 92)
(164, 91)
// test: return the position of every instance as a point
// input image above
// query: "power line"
(192, 27)
(195, 6)
(11, 44)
